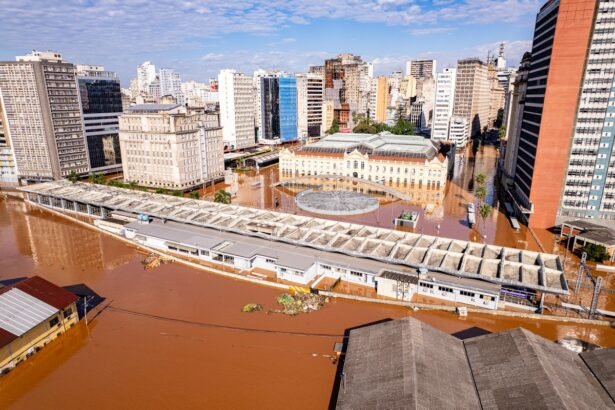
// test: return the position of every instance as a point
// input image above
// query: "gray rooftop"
(406, 364)
(400, 365)
(593, 232)
(507, 266)
(602, 364)
(385, 143)
(151, 108)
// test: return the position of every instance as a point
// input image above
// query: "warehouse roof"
(507, 266)
(602, 364)
(407, 364)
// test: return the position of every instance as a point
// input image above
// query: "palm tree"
(480, 179)
(222, 197)
(484, 211)
(481, 193)
(73, 176)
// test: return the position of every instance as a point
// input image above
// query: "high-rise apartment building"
(100, 97)
(421, 68)
(42, 116)
(379, 99)
(146, 74)
(8, 171)
(513, 115)
(347, 85)
(310, 93)
(236, 93)
(443, 107)
(407, 87)
(169, 146)
(278, 109)
(565, 154)
(496, 94)
(459, 131)
(472, 97)
(171, 84)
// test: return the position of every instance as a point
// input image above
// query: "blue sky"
(198, 38)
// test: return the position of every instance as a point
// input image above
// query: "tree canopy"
(596, 253)
(335, 127)
(222, 197)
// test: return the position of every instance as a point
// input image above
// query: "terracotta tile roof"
(47, 292)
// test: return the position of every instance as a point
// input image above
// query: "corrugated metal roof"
(20, 312)
(47, 292)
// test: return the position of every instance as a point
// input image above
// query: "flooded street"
(175, 337)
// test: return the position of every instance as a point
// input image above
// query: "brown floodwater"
(174, 337)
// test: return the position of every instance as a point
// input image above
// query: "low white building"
(394, 160)
(459, 131)
(168, 146)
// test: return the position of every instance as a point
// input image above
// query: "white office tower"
(171, 84)
(236, 109)
(366, 75)
(146, 74)
(443, 109)
(310, 94)
(459, 131)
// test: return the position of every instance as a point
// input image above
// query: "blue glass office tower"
(288, 108)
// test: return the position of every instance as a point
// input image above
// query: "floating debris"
(153, 261)
(252, 307)
(300, 303)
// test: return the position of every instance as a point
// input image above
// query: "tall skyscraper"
(443, 108)
(565, 154)
(146, 74)
(101, 105)
(310, 92)
(421, 68)
(278, 109)
(43, 118)
(171, 84)
(472, 94)
(344, 83)
(170, 146)
(236, 94)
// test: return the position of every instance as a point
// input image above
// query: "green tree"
(596, 253)
(481, 193)
(96, 178)
(403, 127)
(502, 132)
(480, 179)
(222, 197)
(73, 176)
(335, 127)
(163, 191)
(131, 184)
(484, 211)
(365, 126)
(176, 193)
(195, 195)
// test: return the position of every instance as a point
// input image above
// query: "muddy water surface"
(174, 337)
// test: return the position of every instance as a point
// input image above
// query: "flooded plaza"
(176, 337)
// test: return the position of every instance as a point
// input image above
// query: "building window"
(427, 285)
(326, 267)
(465, 293)
(270, 260)
(54, 322)
(204, 253)
(357, 274)
(68, 312)
(445, 289)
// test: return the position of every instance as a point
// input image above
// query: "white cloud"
(430, 30)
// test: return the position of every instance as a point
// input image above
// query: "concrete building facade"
(472, 94)
(310, 95)
(170, 147)
(171, 84)
(459, 131)
(379, 99)
(236, 94)
(8, 170)
(42, 116)
(421, 68)
(146, 74)
(566, 134)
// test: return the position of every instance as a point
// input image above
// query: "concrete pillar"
(63, 202)
(89, 209)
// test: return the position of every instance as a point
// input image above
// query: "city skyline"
(297, 34)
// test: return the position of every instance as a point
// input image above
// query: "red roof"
(6, 337)
(46, 291)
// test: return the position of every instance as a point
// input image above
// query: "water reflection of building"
(56, 243)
